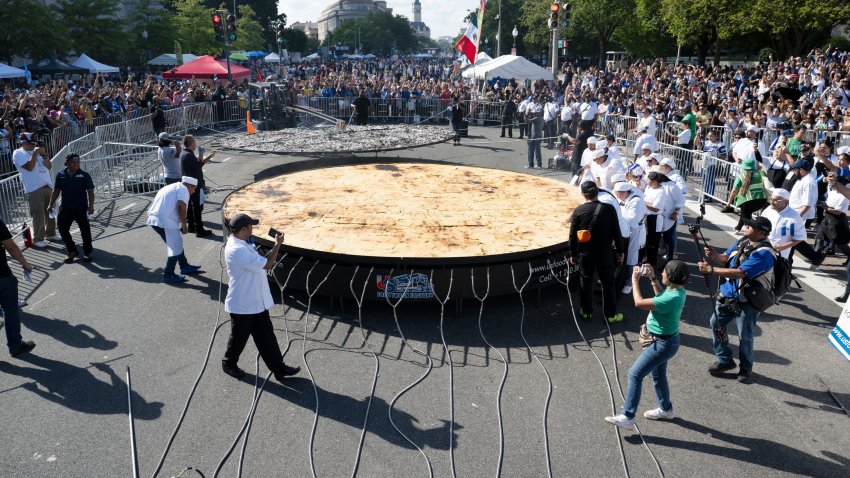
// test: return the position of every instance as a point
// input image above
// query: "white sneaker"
(39, 244)
(56, 238)
(622, 421)
(658, 414)
(22, 302)
(627, 289)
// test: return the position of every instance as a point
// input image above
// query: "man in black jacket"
(595, 240)
(193, 167)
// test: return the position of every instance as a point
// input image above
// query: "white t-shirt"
(35, 179)
(787, 226)
(804, 193)
(248, 288)
(608, 197)
(684, 136)
(163, 211)
(744, 149)
(603, 172)
(836, 200)
(643, 139)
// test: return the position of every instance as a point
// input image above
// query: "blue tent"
(255, 53)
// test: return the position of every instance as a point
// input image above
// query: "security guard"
(595, 240)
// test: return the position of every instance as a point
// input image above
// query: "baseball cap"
(163, 135)
(749, 164)
(25, 137)
(761, 223)
(802, 164)
(677, 272)
(241, 220)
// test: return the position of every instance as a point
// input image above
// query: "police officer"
(77, 190)
(597, 245)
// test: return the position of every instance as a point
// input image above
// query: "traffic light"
(553, 20)
(217, 27)
(231, 28)
(567, 14)
(281, 40)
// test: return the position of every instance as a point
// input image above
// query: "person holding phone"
(249, 299)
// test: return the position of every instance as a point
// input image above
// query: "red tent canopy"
(205, 67)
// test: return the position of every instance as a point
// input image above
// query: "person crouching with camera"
(659, 339)
(746, 260)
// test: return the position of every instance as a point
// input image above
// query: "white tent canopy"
(170, 59)
(7, 71)
(509, 66)
(314, 56)
(272, 57)
(85, 61)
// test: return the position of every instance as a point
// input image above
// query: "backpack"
(768, 288)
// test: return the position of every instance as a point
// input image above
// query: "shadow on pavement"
(78, 335)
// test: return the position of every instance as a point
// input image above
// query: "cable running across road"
(519, 291)
(451, 366)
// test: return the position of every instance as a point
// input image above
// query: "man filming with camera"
(34, 166)
(750, 257)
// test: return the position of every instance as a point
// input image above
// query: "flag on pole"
(28, 76)
(178, 52)
(468, 43)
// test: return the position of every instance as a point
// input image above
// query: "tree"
(374, 32)
(704, 23)
(511, 11)
(798, 24)
(296, 40)
(265, 13)
(152, 17)
(194, 28)
(600, 20)
(94, 27)
(249, 32)
(43, 37)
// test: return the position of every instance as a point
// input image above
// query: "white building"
(334, 14)
(417, 25)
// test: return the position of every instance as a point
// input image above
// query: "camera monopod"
(699, 241)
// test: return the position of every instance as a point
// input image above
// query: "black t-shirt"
(74, 188)
(4, 264)
(605, 234)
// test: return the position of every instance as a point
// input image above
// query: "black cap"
(589, 188)
(802, 164)
(677, 272)
(761, 223)
(241, 220)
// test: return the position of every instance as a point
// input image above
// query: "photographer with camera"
(34, 166)
(747, 259)
(838, 187)
(169, 155)
(249, 299)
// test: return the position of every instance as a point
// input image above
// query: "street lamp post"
(515, 32)
(499, 32)
(147, 50)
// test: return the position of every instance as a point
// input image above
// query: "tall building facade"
(334, 14)
(417, 25)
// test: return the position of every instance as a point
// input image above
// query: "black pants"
(653, 240)
(259, 326)
(506, 123)
(194, 213)
(807, 251)
(362, 120)
(602, 265)
(747, 210)
(69, 215)
(522, 129)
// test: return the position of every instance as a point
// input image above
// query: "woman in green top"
(661, 343)
(747, 192)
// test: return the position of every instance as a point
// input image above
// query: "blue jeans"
(745, 320)
(11, 311)
(652, 360)
(708, 174)
(534, 150)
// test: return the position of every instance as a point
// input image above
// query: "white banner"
(839, 336)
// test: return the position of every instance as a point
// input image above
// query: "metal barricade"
(718, 176)
(124, 170)
(14, 208)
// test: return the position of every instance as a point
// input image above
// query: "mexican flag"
(468, 43)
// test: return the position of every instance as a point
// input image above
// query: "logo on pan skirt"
(408, 286)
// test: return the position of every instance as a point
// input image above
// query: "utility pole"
(499, 32)
(553, 25)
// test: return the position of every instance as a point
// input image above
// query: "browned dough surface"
(410, 210)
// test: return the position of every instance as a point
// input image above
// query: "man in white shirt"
(566, 121)
(644, 139)
(668, 165)
(604, 167)
(789, 229)
(550, 115)
(672, 216)
(167, 217)
(34, 166)
(521, 109)
(588, 110)
(804, 197)
(744, 147)
(249, 299)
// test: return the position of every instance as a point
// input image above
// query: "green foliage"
(296, 40)
(766, 54)
(265, 13)
(20, 35)
(151, 16)
(379, 33)
(249, 31)
(92, 28)
(511, 11)
(600, 20)
(798, 24)
(194, 28)
(841, 43)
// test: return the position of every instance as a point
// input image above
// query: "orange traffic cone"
(27, 232)
(249, 124)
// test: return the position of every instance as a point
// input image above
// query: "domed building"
(334, 14)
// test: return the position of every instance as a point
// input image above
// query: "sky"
(444, 17)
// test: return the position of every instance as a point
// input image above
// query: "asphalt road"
(433, 412)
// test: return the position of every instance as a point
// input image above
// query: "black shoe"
(25, 347)
(232, 370)
(502, 136)
(87, 257)
(829, 251)
(203, 233)
(718, 368)
(819, 260)
(191, 229)
(727, 209)
(842, 297)
(745, 376)
(286, 371)
(70, 257)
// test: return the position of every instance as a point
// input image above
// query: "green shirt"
(756, 190)
(794, 146)
(691, 120)
(664, 320)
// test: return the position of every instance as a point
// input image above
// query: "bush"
(841, 43)
(765, 53)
